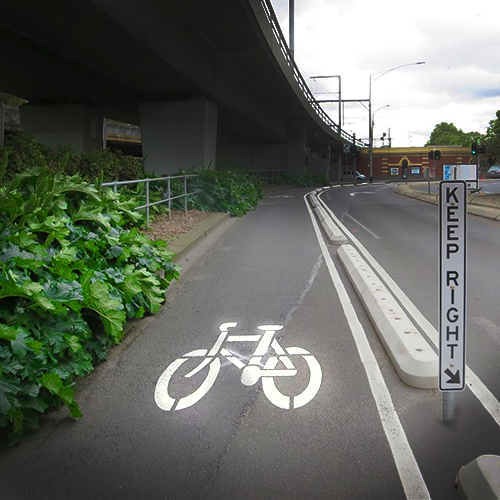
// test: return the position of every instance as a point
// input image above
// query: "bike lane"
(233, 443)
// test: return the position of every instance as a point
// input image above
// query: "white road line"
(482, 393)
(411, 478)
(361, 225)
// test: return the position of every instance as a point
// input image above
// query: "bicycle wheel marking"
(251, 372)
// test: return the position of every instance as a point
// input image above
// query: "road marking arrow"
(454, 377)
(361, 192)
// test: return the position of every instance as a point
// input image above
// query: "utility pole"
(291, 26)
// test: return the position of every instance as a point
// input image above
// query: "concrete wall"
(254, 156)
(178, 134)
(76, 125)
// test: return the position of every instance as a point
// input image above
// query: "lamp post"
(370, 140)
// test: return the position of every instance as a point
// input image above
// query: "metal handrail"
(267, 174)
(115, 185)
(278, 34)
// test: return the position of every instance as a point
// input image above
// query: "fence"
(267, 175)
(169, 198)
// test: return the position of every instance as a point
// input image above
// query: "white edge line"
(406, 464)
(478, 388)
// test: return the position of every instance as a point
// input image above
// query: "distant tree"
(447, 134)
(492, 142)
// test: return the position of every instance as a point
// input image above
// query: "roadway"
(271, 268)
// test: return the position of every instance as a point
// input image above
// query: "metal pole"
(447, 406)
(115, 188)
(428, 180)
(340, 102)
(185, 195)
(169, 200)
(147, 203)
(370, 136)
(291, 16)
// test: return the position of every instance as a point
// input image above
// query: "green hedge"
(23, 152)
(73, 268)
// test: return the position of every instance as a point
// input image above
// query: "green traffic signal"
(437, 154)
(473, 148)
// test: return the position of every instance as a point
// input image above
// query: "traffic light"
(473, 148)
(431, 155)
(353, 151)
(437, 154)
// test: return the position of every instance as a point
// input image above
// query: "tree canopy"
(447, 134)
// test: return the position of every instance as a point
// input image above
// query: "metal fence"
(267, 175)
(278, 34)
(168, 199)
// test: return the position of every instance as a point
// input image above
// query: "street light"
(370, 140)
(373, 116)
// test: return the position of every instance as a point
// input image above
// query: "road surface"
(357, 433)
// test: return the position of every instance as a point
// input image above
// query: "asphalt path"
(271, 268)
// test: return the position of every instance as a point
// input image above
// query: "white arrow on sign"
(361, 192)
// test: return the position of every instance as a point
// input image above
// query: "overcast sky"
(459, 41)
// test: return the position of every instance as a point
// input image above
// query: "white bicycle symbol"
(251, 373)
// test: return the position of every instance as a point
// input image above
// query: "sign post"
(452, 290)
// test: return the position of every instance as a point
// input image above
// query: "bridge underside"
(205, 80)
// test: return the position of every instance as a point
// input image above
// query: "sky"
(458, 40)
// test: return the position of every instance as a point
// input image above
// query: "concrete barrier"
(480, 479)
(335, 236)
(414, 360)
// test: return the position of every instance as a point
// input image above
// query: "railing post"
(169, 200)
(185, 195)
(115, 188)
(147, 203)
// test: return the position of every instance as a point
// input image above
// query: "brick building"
(409, 163)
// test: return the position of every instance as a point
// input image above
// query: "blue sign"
(447, 173)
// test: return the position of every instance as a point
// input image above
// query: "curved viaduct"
(205, 80)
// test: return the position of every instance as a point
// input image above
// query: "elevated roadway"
(205, 80)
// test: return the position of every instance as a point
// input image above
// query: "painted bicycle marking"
(252, 371)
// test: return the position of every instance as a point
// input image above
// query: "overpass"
(205, 81)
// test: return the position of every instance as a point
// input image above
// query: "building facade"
(410, 163)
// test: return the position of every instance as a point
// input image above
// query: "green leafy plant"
(73, 269)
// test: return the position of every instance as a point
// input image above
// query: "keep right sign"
(452, 285)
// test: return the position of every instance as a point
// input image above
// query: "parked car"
(351, 175)
(493, 172)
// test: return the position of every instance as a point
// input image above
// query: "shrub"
(72, 270)
(23, 153)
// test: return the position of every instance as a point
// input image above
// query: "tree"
(447, 134)
(492, 142)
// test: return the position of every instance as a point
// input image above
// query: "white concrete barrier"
(414, 360)
(480, 479)
(333, 233)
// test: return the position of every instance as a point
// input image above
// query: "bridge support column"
(178, 134)
(76, 125)
(296, 151)
(320, 161)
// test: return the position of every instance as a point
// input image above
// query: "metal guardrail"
(169, 198)
(278, 34)
(267, 175)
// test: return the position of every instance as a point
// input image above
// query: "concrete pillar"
(2, 122)
(178, 134)
(296, 147)
(76, 125)
(320, 161)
